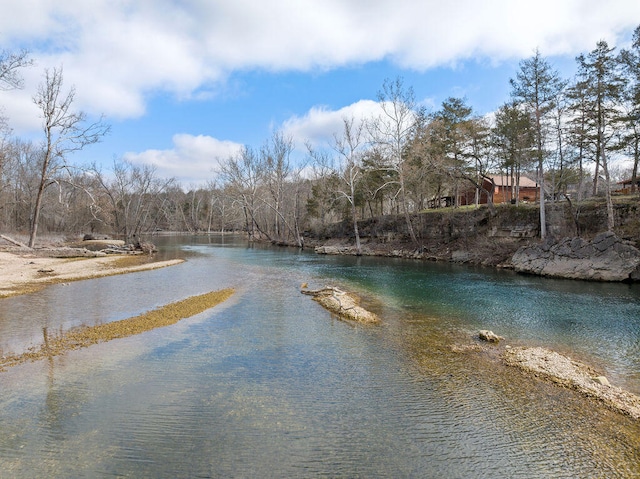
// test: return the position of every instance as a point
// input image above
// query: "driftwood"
(341, 303)
(14, 242)
(111, 246)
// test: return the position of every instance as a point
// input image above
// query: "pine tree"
(537, 87)
(602, 86)
(630, 60)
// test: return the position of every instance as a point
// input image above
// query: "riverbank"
(24, 271)
(492, 237)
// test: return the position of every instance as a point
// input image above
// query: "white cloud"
(192, 161)
(319, 125)
(117, 52)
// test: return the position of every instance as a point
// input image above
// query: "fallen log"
(14, 242)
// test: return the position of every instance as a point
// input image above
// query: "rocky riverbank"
(506, 237)
(605, 258)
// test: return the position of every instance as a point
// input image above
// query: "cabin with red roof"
(503, 189)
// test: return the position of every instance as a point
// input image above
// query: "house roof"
(629, 182)
(503, 180)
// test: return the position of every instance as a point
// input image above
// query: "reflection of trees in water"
(60, 403)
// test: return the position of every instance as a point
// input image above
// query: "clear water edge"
(270, 383)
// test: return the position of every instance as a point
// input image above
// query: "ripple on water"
(271, 385)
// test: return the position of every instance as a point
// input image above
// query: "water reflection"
(268, 384)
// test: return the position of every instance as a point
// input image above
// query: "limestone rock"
(605, 258)
(489, 336)
(341, 303)
(564, 371)
(602, 380)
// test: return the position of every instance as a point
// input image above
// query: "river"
(269, 384)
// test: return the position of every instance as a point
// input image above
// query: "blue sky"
(183, 83)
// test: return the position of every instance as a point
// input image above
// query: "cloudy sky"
(183, 82)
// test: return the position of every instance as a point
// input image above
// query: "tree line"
(561, 133)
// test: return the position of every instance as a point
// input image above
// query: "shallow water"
(270, 385)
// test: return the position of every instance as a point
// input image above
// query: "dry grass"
(85, 336)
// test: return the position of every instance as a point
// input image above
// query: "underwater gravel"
(85, 336)
(572, 374)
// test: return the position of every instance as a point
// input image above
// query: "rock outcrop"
(564, 371)
(489, 336)
(605, 258)
(341, 303)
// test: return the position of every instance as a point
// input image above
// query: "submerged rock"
(574, 375)
(605, 258)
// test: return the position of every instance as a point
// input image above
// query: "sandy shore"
(24, 272)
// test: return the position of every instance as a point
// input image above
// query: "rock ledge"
(605, 258)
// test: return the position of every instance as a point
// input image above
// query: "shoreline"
(23, 272)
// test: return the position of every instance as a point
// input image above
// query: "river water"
(269, 384)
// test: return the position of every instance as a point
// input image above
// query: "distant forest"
(564, 134)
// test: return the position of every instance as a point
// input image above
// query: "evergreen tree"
(537, 86)
(513, 140)
(578, 131)
(602, 85)
(630, 60)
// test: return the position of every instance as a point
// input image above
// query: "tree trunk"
(607, 189)
(39, 196)
(355, 229)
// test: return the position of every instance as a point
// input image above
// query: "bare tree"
(65, 131)
(275, 158)
(18, 182)
(10, 78)
(10, 64)
(392, 131)
(243, 174)
(348, 146)
(135, 195)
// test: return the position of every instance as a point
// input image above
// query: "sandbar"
(25, 271)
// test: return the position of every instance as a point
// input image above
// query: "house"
(503, 190)
(627, 186)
